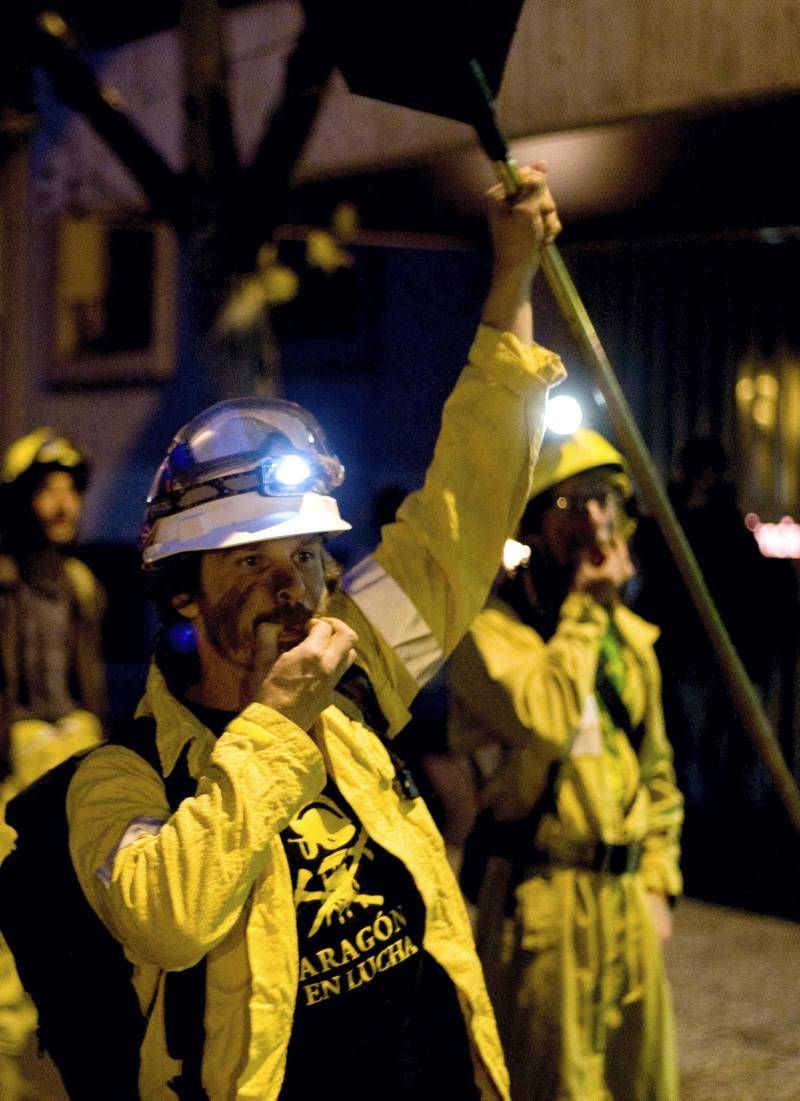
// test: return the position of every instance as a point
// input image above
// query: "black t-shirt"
(375, 1015)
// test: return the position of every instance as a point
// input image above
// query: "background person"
(555, 692)
(51, 608)
(52, 675)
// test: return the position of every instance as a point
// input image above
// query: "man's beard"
(223, 626)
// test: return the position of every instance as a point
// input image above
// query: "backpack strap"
(139, 735)
(356, 688)
(184, 991)
(618, 711)
(354, 685)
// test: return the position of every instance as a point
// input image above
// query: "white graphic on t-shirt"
(322, 826)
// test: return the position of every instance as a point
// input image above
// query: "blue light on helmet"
(291, 470)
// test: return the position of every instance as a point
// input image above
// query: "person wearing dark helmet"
(555, 695)
(52, 673)
(302, 874)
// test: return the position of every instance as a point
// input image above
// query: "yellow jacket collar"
(175, 723)
(635, 630)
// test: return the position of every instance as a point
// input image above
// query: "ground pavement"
(736, 983)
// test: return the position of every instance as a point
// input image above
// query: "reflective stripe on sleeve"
(139, 827)
(389, 609)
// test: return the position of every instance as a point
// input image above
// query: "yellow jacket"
(212, 879)
(535, 701)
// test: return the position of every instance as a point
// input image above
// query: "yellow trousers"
(582, 1000)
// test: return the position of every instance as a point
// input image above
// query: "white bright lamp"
(564, 415)
(292, 470)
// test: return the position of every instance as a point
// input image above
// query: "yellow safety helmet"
(563, 457)
(40, 451)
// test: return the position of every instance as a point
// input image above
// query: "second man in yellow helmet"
(555, 692)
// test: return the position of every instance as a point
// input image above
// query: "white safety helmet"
(242, 472)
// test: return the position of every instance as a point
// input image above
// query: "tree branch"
(56, 51)
(263, 198)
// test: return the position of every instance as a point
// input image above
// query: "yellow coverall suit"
(212, 879)
(576, 975)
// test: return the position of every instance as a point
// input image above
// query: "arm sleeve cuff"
(263, 726)
(503, 356)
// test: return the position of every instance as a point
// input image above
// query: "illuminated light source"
(781, 540)
(745, 390)
(564, 415)
(291, 470)
(766, 386)
(764, 412)
(181, 638)
(515, 555)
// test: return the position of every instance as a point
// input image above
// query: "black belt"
(594, 856)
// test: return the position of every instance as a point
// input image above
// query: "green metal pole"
(744, 696)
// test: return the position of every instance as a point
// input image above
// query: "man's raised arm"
(435, 565)
(519, 232)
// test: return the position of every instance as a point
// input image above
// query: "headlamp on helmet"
(242, 471)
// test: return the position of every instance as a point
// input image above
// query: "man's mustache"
(291, 616)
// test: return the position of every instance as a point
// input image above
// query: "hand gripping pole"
(745, 699)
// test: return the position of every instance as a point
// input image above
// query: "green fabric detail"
(611, 658)
(611, 662)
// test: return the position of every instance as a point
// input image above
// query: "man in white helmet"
(555, 694)
(302, 869)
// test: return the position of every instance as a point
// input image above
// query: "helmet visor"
(275, 448)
